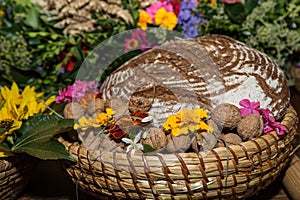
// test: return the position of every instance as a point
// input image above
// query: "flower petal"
(245, 103)
(127, 140)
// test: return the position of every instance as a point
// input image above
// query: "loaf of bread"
(201, 72)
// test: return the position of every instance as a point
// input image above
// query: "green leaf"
(32, 18)
(51, 149)
(75, 52)
(32, 34)
(43, 34)
(235, 11)
(250, 5)
(54, 36)
(148, 148)
(39, 129)
(4, 147)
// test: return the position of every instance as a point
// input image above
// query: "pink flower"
(270, 124)
(76, 91)
(152, 10)
(249, 107)
(138, 40)
(64, 95)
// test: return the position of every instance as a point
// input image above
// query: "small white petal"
(140, 146)
(128, 148)
(147, 119)
(132, 152)
(127, 140)
(137, 138)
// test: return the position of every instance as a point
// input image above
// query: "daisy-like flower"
(133, 145)
(15, 107)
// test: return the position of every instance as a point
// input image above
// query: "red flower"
(121, 127)
(176, 6)
(137, 117)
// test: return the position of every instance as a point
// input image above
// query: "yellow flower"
(105, 118)
(85, 123)
(16, 107)
(144, 18)
(2, 12)
(165, 19)
(187, 121)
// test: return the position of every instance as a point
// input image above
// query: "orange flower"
(144, 18)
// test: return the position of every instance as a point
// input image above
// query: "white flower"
(133, 145)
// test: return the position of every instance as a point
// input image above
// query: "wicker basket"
(14, 175)
(236, 172)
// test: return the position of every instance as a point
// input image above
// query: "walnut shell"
(229, 138)
(96, 107)
(206, 141)
(156, 138)
(119, 106)
(178, 144)
(251, 126)
(215, 127)
(73, 110)
(226, 115)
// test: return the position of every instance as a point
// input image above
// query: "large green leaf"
(39, 130)
(51, 149)
(32, 18)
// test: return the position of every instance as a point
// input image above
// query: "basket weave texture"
(235, 172)
(14, 175)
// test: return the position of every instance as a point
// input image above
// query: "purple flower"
(184, 15)
(191, 32)
(249, 107)
(188, 5)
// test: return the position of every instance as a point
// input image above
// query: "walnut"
(215, 127)
(117, 105)
(178, 144)
(94, 139)
(156, 138)
(251, 126)
(73, 110)
(229, 138)
(96, 106)
(226, 115)
(205, 141)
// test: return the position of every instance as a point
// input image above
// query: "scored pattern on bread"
(201, 72)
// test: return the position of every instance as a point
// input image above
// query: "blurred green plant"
(47, 58)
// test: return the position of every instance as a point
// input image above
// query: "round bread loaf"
(201, 72)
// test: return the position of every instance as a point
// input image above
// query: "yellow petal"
(5, 154)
